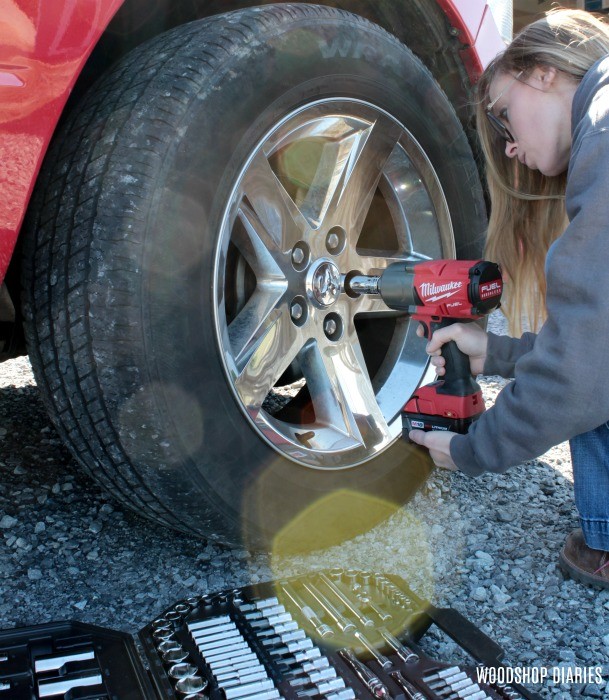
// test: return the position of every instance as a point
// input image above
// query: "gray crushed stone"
(486, 547)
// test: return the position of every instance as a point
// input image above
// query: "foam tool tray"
(335, 634)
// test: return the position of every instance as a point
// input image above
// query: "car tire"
(179, 261)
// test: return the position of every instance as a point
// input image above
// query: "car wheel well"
(419, 24)
(12, 338)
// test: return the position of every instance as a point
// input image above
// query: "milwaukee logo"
(430, 291)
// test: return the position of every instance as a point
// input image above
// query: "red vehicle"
(183, 184)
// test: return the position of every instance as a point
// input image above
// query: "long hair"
(527, 207)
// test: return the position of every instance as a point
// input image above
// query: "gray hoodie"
(559, 388)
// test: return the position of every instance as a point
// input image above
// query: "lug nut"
(299, 311)
(333, 240)
(333, 327)
(301, 255)
(296, 311)
(330, 326)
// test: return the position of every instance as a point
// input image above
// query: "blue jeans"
(590, 459)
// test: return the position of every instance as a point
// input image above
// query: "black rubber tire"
(118, 258)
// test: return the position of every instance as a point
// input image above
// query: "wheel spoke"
(342, 393)
(273, 347)
(360, 176)
(374, 305)
(278, 216)
(259, 249)
(252, 322)
(375, 261)
(335, 162)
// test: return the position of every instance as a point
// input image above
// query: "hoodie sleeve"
(560, 388)
(504, 351)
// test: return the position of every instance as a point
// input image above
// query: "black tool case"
(331, 634)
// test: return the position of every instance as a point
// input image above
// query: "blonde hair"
(527, 208)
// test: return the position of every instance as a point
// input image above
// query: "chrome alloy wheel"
(338, 187)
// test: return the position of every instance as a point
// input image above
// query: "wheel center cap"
(324, 283)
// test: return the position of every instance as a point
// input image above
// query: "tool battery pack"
(335, 634)
(422, 421)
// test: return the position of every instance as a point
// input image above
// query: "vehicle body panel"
(478, 33)
(465, 16)
(487, 44)
(44, 45)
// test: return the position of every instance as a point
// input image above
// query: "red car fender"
(43, 48)
(478, 33)
(44, 45)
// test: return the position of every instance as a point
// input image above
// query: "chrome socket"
(245, 664)
(292, 647)
(182, 609)
(249, 689)
(178, 671)
(221, 637)
(351, 578)
(230, 674)
(278, 629)
(314, 678)
(256, 604)
(265, 612)
(294, 636)
(224, 651)
(210, 622)
(191, 684)
(162, 634)
(159, 622)
(237, 657)
(246, 679)
(336, 573)
(271, 621)
(449, 680)
(175, 656)
(445, 672)
(265, 695)
(168, 645)
(347, 694)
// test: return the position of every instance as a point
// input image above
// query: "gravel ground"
(487, 547)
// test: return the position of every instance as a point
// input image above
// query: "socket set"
(335, 634)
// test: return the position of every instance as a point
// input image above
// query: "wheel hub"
(323, 285)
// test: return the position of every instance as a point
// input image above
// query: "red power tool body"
(438, 293)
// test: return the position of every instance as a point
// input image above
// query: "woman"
(543, 119)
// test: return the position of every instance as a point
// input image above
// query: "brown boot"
(590, 566)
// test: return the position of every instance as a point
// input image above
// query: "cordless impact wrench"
(439, 293)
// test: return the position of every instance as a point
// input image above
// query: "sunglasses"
(494, 121)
